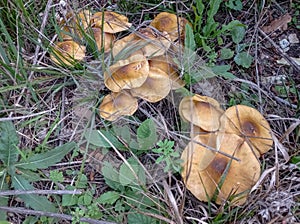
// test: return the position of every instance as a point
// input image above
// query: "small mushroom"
(67, 53)
(201, 111)
(103, 39)
(250, 124)
(170, 23)
(212, 175)
(145, 40)
(127, 74)
(110, 22)
(116, 105)
(156, 87)
(166, 64)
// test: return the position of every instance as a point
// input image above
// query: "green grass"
(52, 137)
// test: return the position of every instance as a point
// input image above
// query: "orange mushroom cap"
(67, 53)
(250, 124)
(103, 39)
(116, 105)
(210, 174)
(201, 111)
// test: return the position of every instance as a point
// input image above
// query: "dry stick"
(19, 192)
(282, 53)
(50, 214)
(25, 116)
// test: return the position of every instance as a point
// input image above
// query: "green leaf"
(244, 59)
(189, 41)
(36, 202)
(109, 197)
(133, 174)
(111, 176)
(137, 218)
(146, 134)
(3, 199)
(226, 53)
(8, 143)
(222, 70)
(46, 159)
(238, 34)
(94, 137)
(234, 4)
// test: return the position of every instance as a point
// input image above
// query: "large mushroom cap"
(102, 39)
(248, 123)
(207, 174)
(166, 64)
(156, 87)
(67, 53)
(116, 105)
(127, 74)
(170, 23)
(111, 22)
(201, 111)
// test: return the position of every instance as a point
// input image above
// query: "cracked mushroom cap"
(103, 39)
(116, 105)
(110, 22)
(170, 23)
(145, 40)
(156, 87)
(127, 74)
(201, 111)
(214, 176)
(67, 53)
(166, 64)
(250, 124)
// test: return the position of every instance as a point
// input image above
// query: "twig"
(50, 214)
(19, 192)
(25, 116)
(282, 53)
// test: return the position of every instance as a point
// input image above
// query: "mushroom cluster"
(142, 66)
(221, 161)
(102, 25)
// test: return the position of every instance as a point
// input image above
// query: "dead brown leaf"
(278, 24)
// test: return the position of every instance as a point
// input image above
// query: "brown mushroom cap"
(127, 74)
(116, 105)
(201, 111)
(102, 39)
(205, 171)
(248, 123)
(113, 22)
(67, 53)
(166, 64)
(145, 40)
(155, 88)
(165, 21)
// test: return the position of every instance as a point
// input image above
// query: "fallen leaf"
(278, 24)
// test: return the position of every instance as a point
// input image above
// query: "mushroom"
(149, 42)
(166, 64)
(110, 22)
(127, 74)
(103, 39)
(170, 23)
(116, 105)
(156, 87)
(250, 124)
(67, 53)
(214, 176)
(201, 111)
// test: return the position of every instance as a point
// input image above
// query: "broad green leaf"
(109, 197)
(146, 134)
(223, 71)
(137, 218)
(111, 176)
(3, 199)
(234, 4)
(133, 174)
(226, 53)
(238, 34)
(36, 202)
(244, 59)
(69, 199)
(189, 41)
(94, 137)
(46, 159)
(8, 143)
